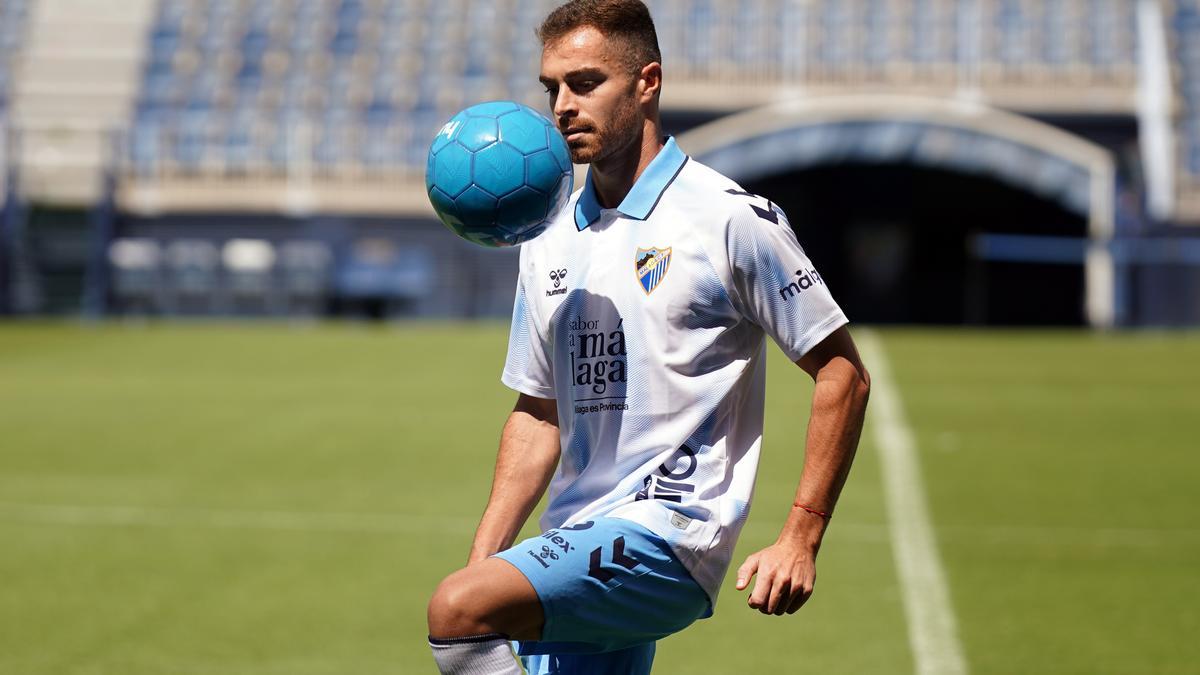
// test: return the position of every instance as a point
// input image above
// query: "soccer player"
(638, 353)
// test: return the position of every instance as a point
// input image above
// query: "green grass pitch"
(266, 499)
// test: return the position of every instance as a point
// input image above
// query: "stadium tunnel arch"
(955, 135)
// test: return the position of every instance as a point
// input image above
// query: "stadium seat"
(305, 268)
(145, 147)
(192, 276)
(14, 16)
(380, 270)
(136, 265)
(1186, 33)
(382, 62)
(249, 266)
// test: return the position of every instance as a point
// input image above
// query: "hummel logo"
(558, 277)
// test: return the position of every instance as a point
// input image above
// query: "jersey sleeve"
(527, 366)
(774, 283)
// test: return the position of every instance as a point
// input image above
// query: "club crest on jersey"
(651, 265)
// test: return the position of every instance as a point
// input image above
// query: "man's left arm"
(786, 570)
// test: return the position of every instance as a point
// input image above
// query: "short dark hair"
(626, 20)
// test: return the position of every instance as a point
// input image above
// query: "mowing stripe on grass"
(932, 630)
(139, 516)
(75, 515)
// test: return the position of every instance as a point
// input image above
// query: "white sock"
(488, 654)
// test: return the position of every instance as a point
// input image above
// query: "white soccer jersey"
(646, 323)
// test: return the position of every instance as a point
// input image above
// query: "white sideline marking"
(932, 629)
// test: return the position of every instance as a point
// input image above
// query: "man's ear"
(651, 81)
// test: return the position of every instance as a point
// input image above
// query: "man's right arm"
(529, 451)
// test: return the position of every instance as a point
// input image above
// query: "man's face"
(593, 95)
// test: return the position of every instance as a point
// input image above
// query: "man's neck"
(614, 177)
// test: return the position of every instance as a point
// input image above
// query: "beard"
(603, 141)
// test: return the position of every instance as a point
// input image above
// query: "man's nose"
(564, 104)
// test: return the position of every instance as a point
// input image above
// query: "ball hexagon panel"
(499, 169)
(477, 207)
(525, 130)
(430, 169)
(501, 237)
(451, 169)
(484, 238)
(445, 135)
(476, 133)
(447, 211)
(442, 202)
(492, 108)
(543, 171)
(523, 210)
(560, 197)
(558, 146)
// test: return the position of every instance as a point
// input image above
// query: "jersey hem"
(675, 551)
(689, 557)
(814, 336)
(525, 386)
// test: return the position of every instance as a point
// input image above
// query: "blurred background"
(984, 162)
(272, 433)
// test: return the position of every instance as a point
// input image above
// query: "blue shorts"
(635, 660)
(607, 585)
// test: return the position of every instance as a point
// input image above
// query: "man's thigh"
(605, 585)
(488, 596)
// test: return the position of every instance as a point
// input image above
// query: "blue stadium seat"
(145, 147)
(192, 275)
(1055, 22)
(192, 139)
(305, 268)
(238, 148)
(163, 43)
(136, 265)
(397, 68)
(13, 19)
(879, 19)
(1186, 27)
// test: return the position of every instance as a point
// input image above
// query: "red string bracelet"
(815, 512)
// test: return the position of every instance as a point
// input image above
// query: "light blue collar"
(644, 195)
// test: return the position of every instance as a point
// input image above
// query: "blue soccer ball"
(498, 173)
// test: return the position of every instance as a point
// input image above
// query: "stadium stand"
(1185, 25)
(310, 108)
(73, 88)
(13, 15)
(354, 88)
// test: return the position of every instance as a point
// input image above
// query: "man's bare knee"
(490, 597)
(451, 612)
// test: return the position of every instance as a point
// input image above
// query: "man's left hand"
(786, 574)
